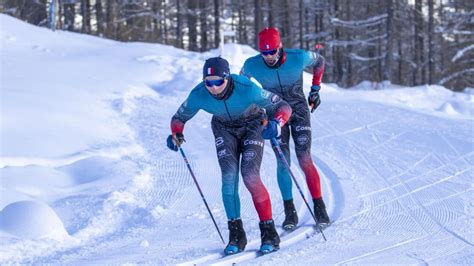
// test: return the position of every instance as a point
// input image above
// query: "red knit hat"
(269, 39)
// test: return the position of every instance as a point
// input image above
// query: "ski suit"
(236, 124)
(285, 79)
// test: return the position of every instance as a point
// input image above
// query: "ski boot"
(320, 212)
(237, 237)
(291, 216)
(270, 238)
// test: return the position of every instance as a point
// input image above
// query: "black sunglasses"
(271, 52)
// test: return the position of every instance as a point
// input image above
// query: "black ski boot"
(291, 216)
(320, 212)
(237, 237)
(270, 238)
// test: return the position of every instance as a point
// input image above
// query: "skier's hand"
(313, 98)
(271, 130)
(173, 142)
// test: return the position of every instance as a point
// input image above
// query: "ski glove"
(272, 130)
(174, 143)
(313, 99)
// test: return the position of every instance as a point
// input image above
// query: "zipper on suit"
(279, 82)
(227, 109)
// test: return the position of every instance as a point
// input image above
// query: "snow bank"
(46, 114)
(31, 220)
(433, 99)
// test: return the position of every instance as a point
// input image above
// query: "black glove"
(313, 99)
(174, 143)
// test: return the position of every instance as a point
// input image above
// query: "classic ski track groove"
(424, 219)
(410, 192)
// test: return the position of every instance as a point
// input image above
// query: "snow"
(83, 128)
(372, 21)
(30, 219)
(433, 99)
(461, 52)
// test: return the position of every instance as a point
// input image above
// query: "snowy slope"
(86, 177)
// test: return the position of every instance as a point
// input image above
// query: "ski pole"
(282, 157)
(200, 191)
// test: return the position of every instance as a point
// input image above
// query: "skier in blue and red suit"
(238, 107)
(280, 71)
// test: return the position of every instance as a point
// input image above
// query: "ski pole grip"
(175, 140)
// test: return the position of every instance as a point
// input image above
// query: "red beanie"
(269, 39)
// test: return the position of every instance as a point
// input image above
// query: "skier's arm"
(317, 61)
(245, 72)
(276, 108)
(186, 111)
(279, 112)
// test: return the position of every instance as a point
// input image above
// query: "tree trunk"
(306, 26)
(271, 22)
(156, 22)
(60, 14)
(257, 22)
(287, 28)
(338, 69)
(203, 22)
(301, 25)
(99, 13)
(179, 33)
(110, 15)
(430, 41)
(165, 29)
(192, 25)
(419, 58)
(389, 47)
(86, 16)
(217, 24)
(241, 24)
(69, 15)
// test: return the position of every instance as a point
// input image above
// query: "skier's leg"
(228, 158)
(283, 176)
(252, 151)
(301, 132)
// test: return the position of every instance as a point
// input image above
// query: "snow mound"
(31, 220)
(429, 98)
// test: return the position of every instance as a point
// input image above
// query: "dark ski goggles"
(217, 82)
(271, 52)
